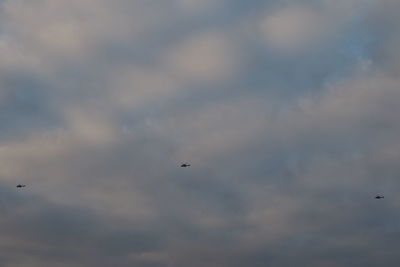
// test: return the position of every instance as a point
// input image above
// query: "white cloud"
(135, 87)
(199, 6)
(74, 28)
(296, 27)
(205, 57)
(292, 28)
(89, 127)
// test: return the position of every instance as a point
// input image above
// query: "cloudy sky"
(286, 109)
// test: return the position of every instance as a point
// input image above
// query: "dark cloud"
(47, 232)
(287, 111)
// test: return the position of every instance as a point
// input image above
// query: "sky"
(287, 111)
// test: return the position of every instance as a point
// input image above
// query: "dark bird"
(21, 185)
(184, 165)
(379, 197)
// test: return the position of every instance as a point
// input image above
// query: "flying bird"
(184, 165)
(21, 185)
(379, 197)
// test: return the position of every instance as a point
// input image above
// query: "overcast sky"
(288, 111)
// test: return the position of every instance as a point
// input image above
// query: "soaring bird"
(379, 197)
(21, 185)
(184, 165)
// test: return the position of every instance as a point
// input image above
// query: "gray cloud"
(38, 232)
(287, 111)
